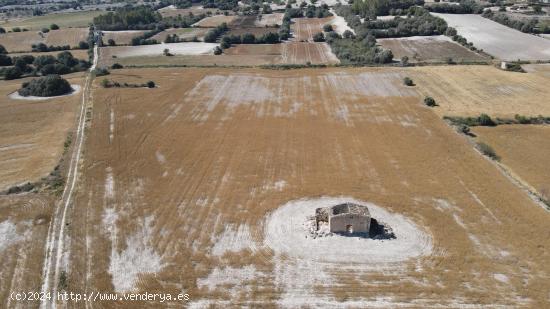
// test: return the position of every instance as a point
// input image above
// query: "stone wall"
(339, 223)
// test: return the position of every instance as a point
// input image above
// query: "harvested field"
(182, 33)
(240, 55)
(267, 20)
(22, 41)
(429, 49)
(498, 40)
(32, 133)
(188, 48)
(24, 221)
(302, 53)
(191, 183)
(524, 149)
(121, 37)
(69, 36)
(257, 31)
(303, 29)
(472, 90)
(77, 53)
(63, 20)
(243, 21)
(171, 11)
(214, 21)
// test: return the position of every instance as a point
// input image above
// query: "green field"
(63, 20)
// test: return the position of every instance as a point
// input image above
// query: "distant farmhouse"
(345, 218)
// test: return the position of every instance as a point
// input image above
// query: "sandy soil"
(33, 133)
(303, 29)
(182, 33)
(121, 37)
(471, 90)
(270, 20)
(524, 149)
(214, 21)
(183, 180)
(498, 40)
(188, 48)
(431, 48)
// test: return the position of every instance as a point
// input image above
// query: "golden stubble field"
(179, 183)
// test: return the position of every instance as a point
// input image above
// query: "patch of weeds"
(487, 150)
(68, 142)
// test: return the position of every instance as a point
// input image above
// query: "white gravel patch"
(16, 96)
(186, 48)
(498, 40)
(339, 24)
(286, 233)
(8, 234)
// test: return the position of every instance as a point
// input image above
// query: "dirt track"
(181, 178)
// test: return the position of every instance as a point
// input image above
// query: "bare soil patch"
(498, 40)
(121, 37)
(187, 48)
(303, 29)
(268, 20)
(184, 182)
(427, 49)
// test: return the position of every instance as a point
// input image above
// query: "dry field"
(69, 36)
(77, 53)
(182, 33)
(187, 48)
(171, 11)
(303, 29)
(257, 31)
(63, 20)
(471, 90)
(498, 40)
(186, 188)
(524, 149)
(121, 37)
(237, 55)
(214, 21)
(32, 133)
(429, 49)
(270, 19)
(22, 41)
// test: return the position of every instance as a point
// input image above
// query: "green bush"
(485, 120)
(327, 28)
(46, 86)
(116, 66)
(54, 27)
(408, 82)
(151, 84)
(318, 37)
(487, 150)
(429, 101)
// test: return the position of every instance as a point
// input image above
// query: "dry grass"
(33, 133)
(121, 37)
(303, 29)
(524, 149)
(69, 36)
(472, 90)
(214, 21)
(63, 20)
(257, 31)
(196, 10)
(204, 149)
(22, 41)
(429, 49)
(182, 33)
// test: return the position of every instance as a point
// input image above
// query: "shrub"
(404, 61)
(485, 120)
(54, 27)
(2, 30)
(5, 60)
(116, 66)
(45, 30)
(83, 45)
(101, 72)
(487, 150)
(111, 42)
(151, 84)
(327, 28)
(408, 82)
(429, 101)
(46, 86)
(16, 29)
(318, 37)
(3, 50)
(217, 50)
(12, 73)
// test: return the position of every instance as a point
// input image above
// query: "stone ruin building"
(347, 218)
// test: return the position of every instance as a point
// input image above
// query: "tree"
(485, 120)
(429, 101)
(12, 73)
(151, 84)
(404, 61)
(217, 50)
(83, 45)
(54, 27)
(318, 37)
(16, 29)
(67, 59)
(347, 34)
(408, 82)
(116, 66)
(248, 38)
(327, 28)
(5, 60)
(45, 30)
(111, 42)
(3, 50)
(43, 60)
(46, 86)
(2, 30)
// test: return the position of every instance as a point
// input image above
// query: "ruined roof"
(349, 208)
